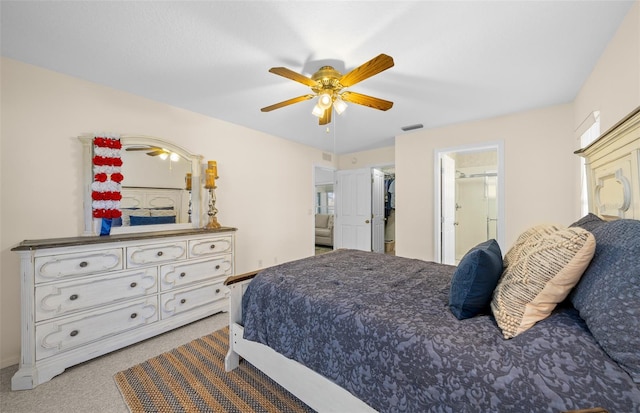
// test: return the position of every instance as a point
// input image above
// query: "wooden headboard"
(139, 197)
(613, 173)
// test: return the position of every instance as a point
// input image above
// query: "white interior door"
(377, 209)
(352, 227)
(448, 199)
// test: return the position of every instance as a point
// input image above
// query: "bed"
(152, 206)
(358, 331)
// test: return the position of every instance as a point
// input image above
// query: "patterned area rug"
(191, 378)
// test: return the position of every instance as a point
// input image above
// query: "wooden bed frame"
(613, 170)
(315, 390)
(138, 197)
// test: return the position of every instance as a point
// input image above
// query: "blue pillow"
(589, 222)
(608, 294)
(475, 279)
(152, 220)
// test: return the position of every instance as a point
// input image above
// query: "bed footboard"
(237, 286)
(315, 390)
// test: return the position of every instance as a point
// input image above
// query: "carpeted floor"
(191, 378)
(320, 249)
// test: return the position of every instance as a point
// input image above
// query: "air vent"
(326, 156)
(412, 127)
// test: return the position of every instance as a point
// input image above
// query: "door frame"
(437, 216)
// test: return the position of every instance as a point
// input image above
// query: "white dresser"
(83, 297)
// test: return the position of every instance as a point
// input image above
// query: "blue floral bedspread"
(380, 327)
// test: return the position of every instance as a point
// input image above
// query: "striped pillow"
(541, 276)
(530, 235)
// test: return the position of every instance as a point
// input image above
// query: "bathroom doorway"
(469, 200)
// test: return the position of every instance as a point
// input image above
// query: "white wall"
(265, 187)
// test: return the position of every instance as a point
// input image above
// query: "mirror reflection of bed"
(153, 206)
(153, 187)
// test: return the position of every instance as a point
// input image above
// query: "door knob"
(366, 222)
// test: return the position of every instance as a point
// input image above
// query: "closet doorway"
(389, 209)
(368, 200)
(469, 199)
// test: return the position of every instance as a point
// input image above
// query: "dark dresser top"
(27, 245)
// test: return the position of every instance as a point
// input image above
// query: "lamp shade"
(339, 105)
(324, 100)
(317, 111)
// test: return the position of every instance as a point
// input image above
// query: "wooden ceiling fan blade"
(144, 148)
(156, 153)
(290, 74)
(326, 117)
(370, 101)
(372, 67)
(286, 103)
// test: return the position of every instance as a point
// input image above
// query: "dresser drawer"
(178, 275)
(156, 253)
(210, 246)
(63, 266)
(63, 334)
(180, 301)
(62, 298)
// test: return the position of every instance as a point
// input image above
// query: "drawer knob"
(184, 300)
(74, 333)
(133, 285)
(217, 290)
(134, 315)
(212, 246)
(73, 297)
(182, 274)
(159, 254)
(217, 267)
(83, 264)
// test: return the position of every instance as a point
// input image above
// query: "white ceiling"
(455, 61)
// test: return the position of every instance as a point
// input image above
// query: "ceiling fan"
(155, 151)
(328, 84)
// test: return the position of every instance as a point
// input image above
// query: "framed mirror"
(155, 193)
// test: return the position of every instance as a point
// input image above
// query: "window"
(588, 136)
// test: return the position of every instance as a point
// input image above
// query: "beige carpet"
(191, 378)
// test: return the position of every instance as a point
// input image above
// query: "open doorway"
(469, 199)
(389, 209)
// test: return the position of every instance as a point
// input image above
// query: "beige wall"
(540, 174)
(265, 191)
(613, 87)
(374, 157)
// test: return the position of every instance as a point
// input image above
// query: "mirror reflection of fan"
(328, 84)
(155, 151)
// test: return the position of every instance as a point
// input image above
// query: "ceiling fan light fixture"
(174, 157)
(339, 105)
(317, 111)
(324, 100)
(163, 156)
